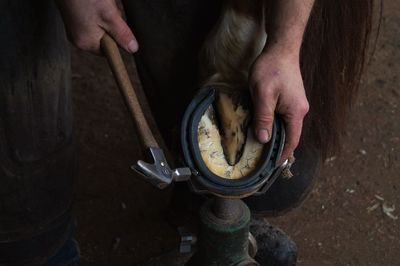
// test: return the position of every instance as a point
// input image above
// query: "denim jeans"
(37, 145)
(68, 255)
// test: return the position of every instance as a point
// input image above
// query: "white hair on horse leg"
(228, 53)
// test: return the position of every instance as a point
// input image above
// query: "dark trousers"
(37, 150)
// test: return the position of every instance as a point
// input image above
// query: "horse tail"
(333, 53)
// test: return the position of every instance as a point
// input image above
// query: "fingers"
(264, 101)
(276, 86)
(86, 22)
(293, 127)
(293, 132)
(120, 31)
(265, 106)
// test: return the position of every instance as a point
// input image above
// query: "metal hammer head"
(159, 173)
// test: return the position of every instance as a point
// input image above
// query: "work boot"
(275, 248)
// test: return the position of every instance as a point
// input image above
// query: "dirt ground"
(121, 219)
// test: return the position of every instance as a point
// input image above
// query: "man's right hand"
(86, 21)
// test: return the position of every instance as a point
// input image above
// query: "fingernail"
(132, 46)
(263, 135)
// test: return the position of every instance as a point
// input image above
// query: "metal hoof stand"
(224, 235)
(224, 238)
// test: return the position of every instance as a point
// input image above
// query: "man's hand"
(277, 87)
(86, 22)
(275, 80)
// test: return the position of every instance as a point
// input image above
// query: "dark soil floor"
(121, 219)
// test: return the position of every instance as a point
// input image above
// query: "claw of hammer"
(159, 173)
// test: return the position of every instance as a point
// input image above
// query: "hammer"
(158, 172)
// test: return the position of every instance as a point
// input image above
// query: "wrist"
(283, 51)
(288, 42)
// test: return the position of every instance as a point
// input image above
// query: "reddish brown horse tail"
(332, 60)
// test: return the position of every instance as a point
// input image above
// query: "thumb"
(122, 34)
(264, 110)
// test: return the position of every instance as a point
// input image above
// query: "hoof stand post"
(224, 234)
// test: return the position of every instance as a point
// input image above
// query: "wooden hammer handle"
(111, 51)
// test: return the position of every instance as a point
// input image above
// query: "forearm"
(286, 22)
